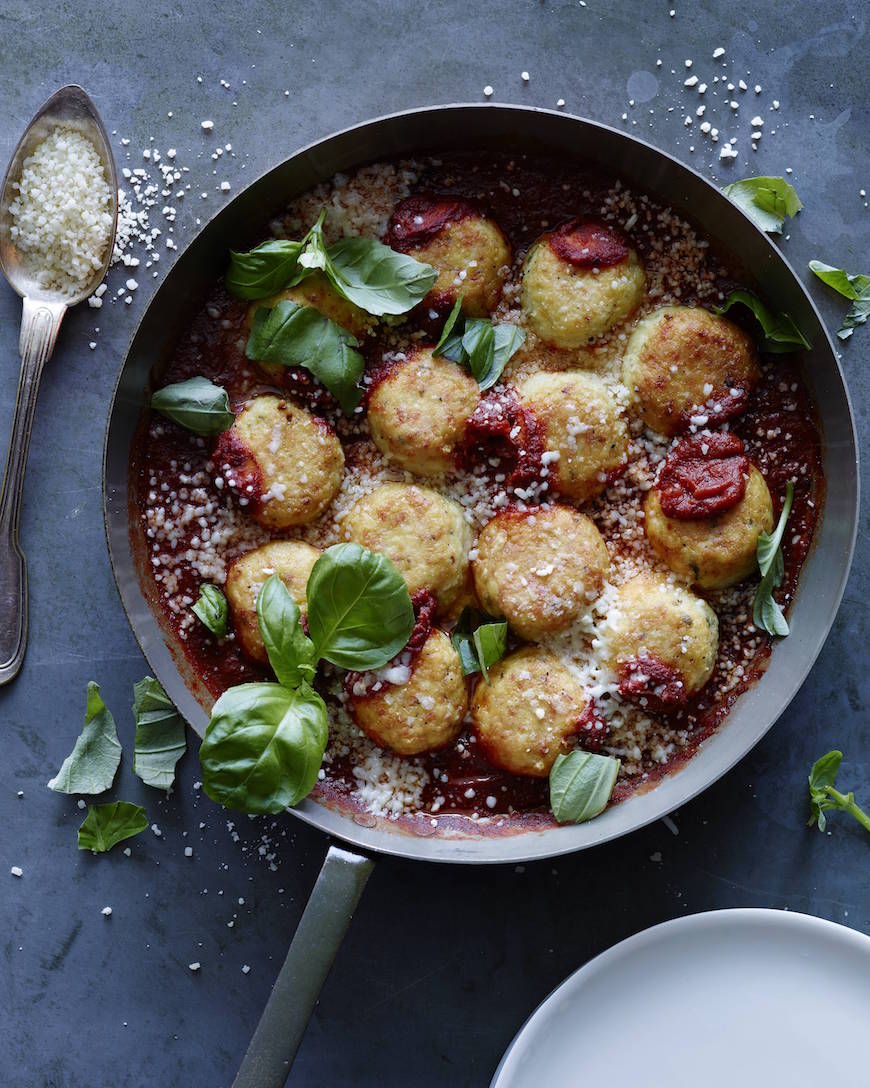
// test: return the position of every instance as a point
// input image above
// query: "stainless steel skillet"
(640, 166)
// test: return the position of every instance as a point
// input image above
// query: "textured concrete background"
(441, 965)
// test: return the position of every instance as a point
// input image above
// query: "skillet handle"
(315, 944)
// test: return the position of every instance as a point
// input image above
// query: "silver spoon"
(42, 314)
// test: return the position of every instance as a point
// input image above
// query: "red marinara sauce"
(418, 219)
(589, 243)
(703, 475)
(503, 429)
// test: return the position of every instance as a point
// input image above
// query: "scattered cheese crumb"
(207, 126)
(195, 966)
(718, 52)
(188, 851)
(106, 912)
(16, 870)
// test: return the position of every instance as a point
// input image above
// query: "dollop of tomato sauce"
(235, 462)
(703, 475)
(589, 243)
(503, 429)
(652, 682)
(418, 219)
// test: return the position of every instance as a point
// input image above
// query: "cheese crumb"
(195, 966)
(16, 870)
(207, 126)
(106, 912)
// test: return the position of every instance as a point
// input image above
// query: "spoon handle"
(40, 322)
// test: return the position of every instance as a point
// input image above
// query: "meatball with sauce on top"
(419, 409)
(539, 568)
(579, 281)
(683, 364)
(291, 560)
(468, 250)
(285, 464)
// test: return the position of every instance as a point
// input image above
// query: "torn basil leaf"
(780, 333)
(197, 404)
(264, 270)
(91, 765)
(483, 347)
(766, 200)
(377, 278)
(766, 613)
(581, 784)
(295, 335)
(161, 740)
(479, 641)
(446, 332)
(211, 609)
(855, 287)
(107, 825)
(824, 796)
(290, 651)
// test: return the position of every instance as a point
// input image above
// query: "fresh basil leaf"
(768, 544)
(211, 609)
(581, 784)
(264, 746)
(452, 318)
(508, 340)
(766, 200)
(452, 349)
(855, 287)
(479, 641)
(824, 795)
(295, 335)
(290, 651)
(160, 737)
(197, 404)
(490, 642)
(377, 278)
(359, 609)
(107, 825)
(91, 765)
(264, 270)
(766, 613)
(483, 347)
(478, 342)
(781, 334)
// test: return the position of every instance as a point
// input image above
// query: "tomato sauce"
(703, 476)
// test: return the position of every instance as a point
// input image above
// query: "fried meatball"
(583, 425)
(418, 411)
(682, 362)
(467, 248)
(539, 568)
(580, 281)
(655, 623)
(285, 463)
(528, 712)
(423, 713)
(424, 534)
(291, 560)
(715, 551)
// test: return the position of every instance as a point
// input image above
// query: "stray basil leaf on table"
(161, 740)
(107, 825)
(766, 200)
(824, 796)
(91, 765)
(197, 404)
(854, 287)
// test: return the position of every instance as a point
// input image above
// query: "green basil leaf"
(479, 641)
(490, 642)
(359, 609)
(478, 342)
(766, 613)
(483, 347)
(766, 200)
(264, 270)
(453, 350)
(581, 784)
(824, 771)
(197, 404)
(107, 825)
(377, 278)
(91, 765)
(295, 335)
(211, 609)
(781, 334)
(855, 287)
(264, 746)
(508, 340)
(160, 737)
(768, 543)
(452, 318)
(290, 651)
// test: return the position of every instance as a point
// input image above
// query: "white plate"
(732, 997)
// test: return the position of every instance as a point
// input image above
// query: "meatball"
(660, 639)
(422, 713)
(582, 424)
(285, 463)
(418, 411)
(539, 568)
(528, 713)
(682, 362)
(466, 247)
(715, 551)
(424, 534)
(291, 560)
(580, 281)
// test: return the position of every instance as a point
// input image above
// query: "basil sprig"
(483, 347)
(265, 742)
(855, 287)
(581, 784)
(362, 270)
(766, 613)
(766, 200)
(107, 825)
(211, 609)
(295, 335)
(780, 333)
(824, 796)
(92, 764)
(197, 404)
(479, 641)
(160, 737)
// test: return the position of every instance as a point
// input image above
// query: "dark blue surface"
(442, 965)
